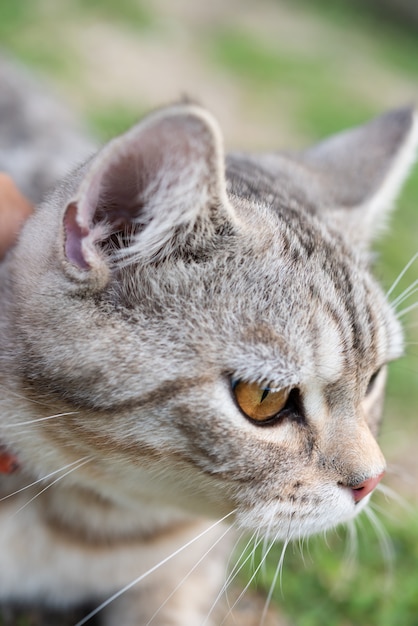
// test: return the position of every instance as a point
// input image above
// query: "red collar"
(8, 462)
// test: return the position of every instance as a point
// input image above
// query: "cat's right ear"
(145, 192)
(362, 171)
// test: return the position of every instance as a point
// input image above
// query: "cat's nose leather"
(366, 487)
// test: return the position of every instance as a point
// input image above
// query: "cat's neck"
(90, 516)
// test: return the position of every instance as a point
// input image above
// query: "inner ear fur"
(161, 176)
(361, 171)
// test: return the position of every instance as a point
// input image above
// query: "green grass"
(112, 120)
(321, 585)
(395, 42)
(255, 60)
(134, 13)
(32, 33)
(15, 16)
(36, 30)
(323, 100)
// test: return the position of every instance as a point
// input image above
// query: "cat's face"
(217, 350)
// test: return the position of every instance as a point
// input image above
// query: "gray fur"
(148, 281)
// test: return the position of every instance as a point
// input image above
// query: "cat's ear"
(362, 171)
(146, 190)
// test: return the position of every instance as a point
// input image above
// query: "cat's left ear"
(362, 170)
(146, 191)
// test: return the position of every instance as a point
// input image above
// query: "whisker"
(228, 565)
(150, 571)
(383, 538)
(390, 493)
(235, 548)
(40, 480)
(405, 294)
(256, 543)
(234, 572)
(265, 542)
(410, 326)
(301, 545)
(189, 574)
(307, 545)
(279, 571)
(351, 549)
(401, 274)
(251, 579)
(40, 419)
(255, 540)
(23, 397)
(384, 512)
(325, 538)
(73, 469)
(408, 309)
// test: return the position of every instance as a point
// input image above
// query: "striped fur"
(145, 283)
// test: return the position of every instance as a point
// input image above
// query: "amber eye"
(258, 402)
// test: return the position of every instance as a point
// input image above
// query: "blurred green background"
(276, 73)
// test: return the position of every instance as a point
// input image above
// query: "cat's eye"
(258, 402)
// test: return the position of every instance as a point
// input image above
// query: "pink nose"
(366, 487)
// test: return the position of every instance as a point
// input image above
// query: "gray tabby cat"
(185, 339)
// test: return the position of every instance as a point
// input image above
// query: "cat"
(189, 342)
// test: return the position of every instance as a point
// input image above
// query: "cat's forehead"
(309, 316)
(289, 302)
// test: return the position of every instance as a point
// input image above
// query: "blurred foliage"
(132, 12)
(111, 121)
(321, 584)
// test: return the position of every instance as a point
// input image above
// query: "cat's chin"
(280, 521)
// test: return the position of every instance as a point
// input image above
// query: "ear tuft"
(146, 186)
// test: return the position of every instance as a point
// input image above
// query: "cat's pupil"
(264, 394)
(258, 403)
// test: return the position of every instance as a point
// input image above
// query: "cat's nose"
(366, 487)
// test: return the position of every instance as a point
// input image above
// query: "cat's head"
(213, 333)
